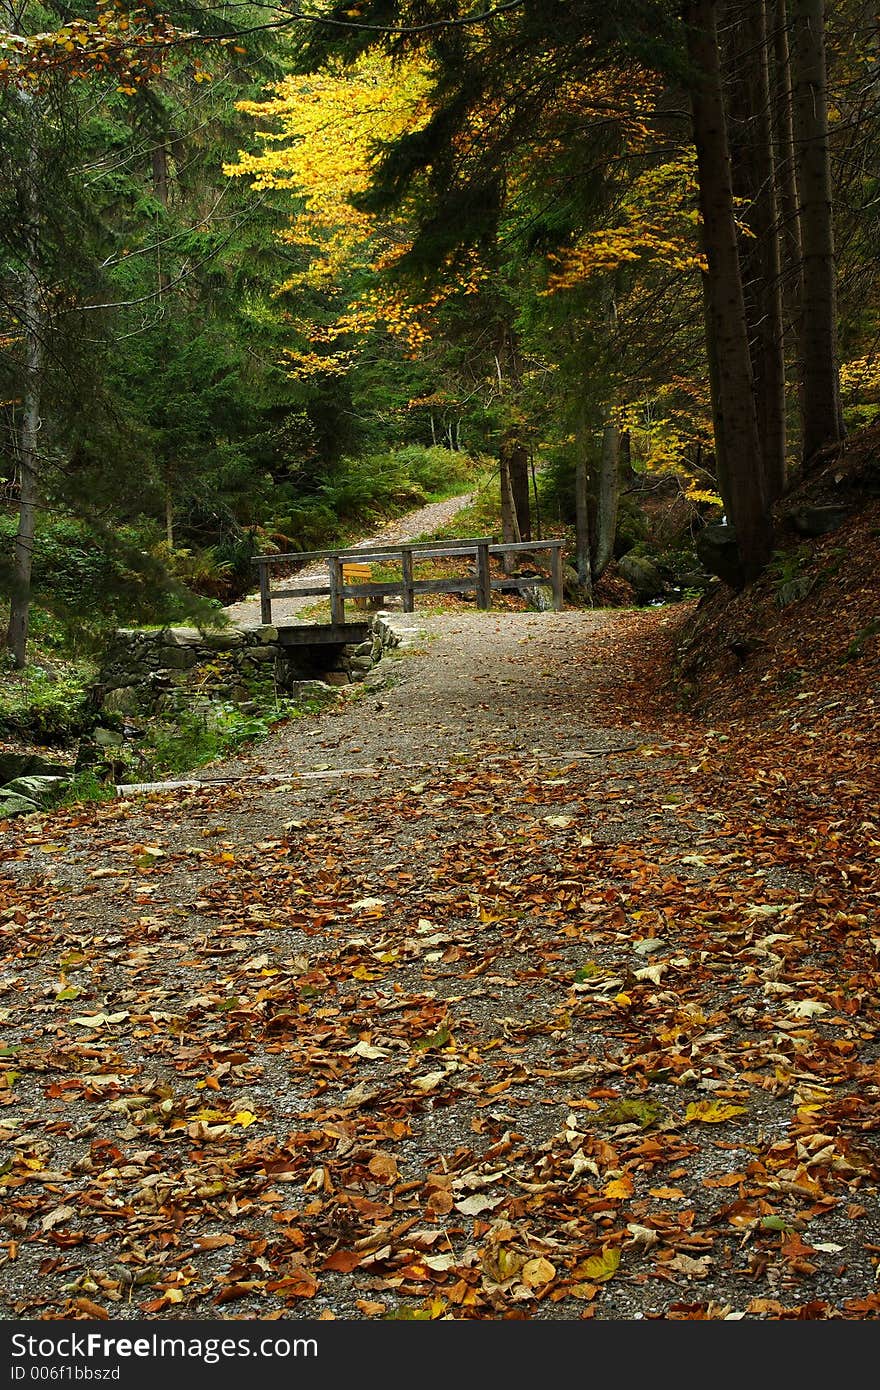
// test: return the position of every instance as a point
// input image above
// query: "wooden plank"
(124, 789)
(407, 567)
(307, 591)
(523, 547)
(366, 552)
(322, 634)
(376, 589)
(556, 572)
(448, 552)
(265, 596)
(483, 576)
(337, 599)
(465, 585)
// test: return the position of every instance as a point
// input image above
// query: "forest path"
(512, 995)
(423, 521)
(467, 683)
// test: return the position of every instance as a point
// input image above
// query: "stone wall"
(153, 670)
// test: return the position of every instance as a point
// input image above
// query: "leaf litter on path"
(529, 1036)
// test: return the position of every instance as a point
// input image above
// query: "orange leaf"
(620, 1188)
(342, 1260)
(94, 1310)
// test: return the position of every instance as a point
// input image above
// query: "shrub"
(45, 704)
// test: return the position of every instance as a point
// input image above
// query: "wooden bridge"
(347, 573)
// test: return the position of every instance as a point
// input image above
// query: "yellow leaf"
(244, 1118)
(711, 1112)
(598, 1269)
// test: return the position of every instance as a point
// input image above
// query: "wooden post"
(265, 596)
(484, 578)
(556, 573)
(337, 600)
(407, 568)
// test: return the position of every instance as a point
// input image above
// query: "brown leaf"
(342, 1260)
(91, 1310)
(384, 1167)
(214, 1242)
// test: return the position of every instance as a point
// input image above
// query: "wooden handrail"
(479, 582)
(366, 551)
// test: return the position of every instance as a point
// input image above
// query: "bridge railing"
(406, 556)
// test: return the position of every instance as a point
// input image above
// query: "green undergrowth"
(170, 745)
(48, 700)
(358, 493)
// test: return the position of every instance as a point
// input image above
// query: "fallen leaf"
(536, 1273)
(711, 1112)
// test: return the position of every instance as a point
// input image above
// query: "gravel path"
(486, 1008)
(423, 521)
(465, 683)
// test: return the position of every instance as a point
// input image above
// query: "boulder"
(642, 574)
(312, 690)
(538, 596)
(108, 738)
(818, 521)
(718, 553)
(42, 790)
(225, 639)
(11, 805)
(14, 765)
(124, 700)
(179, 658)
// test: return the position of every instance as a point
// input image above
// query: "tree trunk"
(509, 526)
(606, 488)
(821, 376)
(539, 529)
(720, 462)
(787, 194)
(582, 522)
(29, 465)
(745, 499)
(518, 464)
(754, 182)
(34, 324)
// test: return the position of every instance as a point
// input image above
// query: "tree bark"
(509, 525)
(29, 469)
(821, 375)
(34, 323)
(518, 464)
(606, 490)
(754, 182)
(163, 281)
(582, 522)
(787, 194)
(745, 500)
